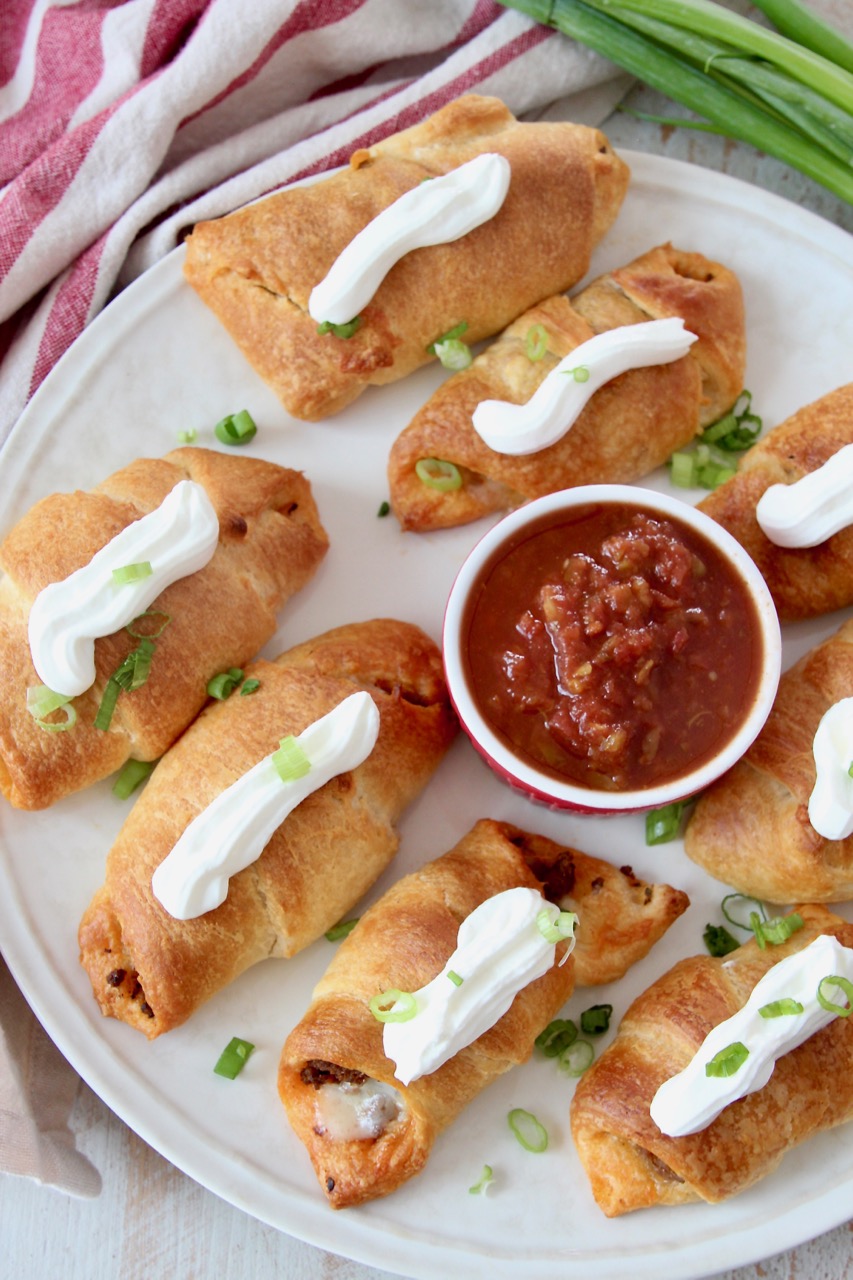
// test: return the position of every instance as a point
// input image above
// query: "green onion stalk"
(787, 92)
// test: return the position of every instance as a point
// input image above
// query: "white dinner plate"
(156, 362)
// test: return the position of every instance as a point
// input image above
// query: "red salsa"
(612, 647)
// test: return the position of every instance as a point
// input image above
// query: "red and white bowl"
(519, 771)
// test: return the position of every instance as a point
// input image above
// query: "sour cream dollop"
(233, 831)
(178, 538)
(690, 1100)
(437, 211)
(500, 950)
(831, 801)
(813, 508)
(556, 404)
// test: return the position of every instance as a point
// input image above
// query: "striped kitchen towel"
(122, 122)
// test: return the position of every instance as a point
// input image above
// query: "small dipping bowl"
(567, 511)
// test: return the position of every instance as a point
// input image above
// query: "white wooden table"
(151, 1220)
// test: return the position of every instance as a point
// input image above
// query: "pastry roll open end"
(365, 1132)
(629, 1162)
(631, 425)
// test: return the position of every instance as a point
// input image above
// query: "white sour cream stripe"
(813, 508)
(690, 1100)
(66, 617)
(500, 950)
(437, 211)
(831, 800)
(556, 404)
(233, 831)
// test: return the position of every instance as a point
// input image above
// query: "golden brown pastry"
(403, 942)
(751, 829)
(151, 970)
(256, 268)
(270, 543)
(804, 581)
(629, 427)
(629, 1162)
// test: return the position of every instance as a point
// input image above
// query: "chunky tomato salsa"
(612, 647)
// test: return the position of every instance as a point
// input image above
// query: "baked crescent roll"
(270, 543)
(629, 427)
(804, 581)
(751, 829)
(152, 970)
(402, 942)
(629, 1162)
(256, 268)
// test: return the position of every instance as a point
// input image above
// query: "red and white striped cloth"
(124, 121)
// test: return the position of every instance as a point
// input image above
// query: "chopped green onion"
(749, 82)
(345, 330)
(151, 635)
(233, 1058)
(451, 336)
(530, 1133)
(129, 675)
(536, 342)
(393, 1006)
(718, 940)
(574, 1060)
(739, 898)
(435, 473)
(556, 1037)
(187, 437)
(596, 1019)
(290, 760)
(663, 825)
(341, 930)
(131, 775)
(563, 926)
(784, 1008)
(42, 702)
(774, 931)
(132, 573)
(454, 354)
(728, 1060)
(580, 373)
(384, 509)
(485, 1181)
(737, 430)
(844, 985)
(455, 978)
(221, 686)
(252, 685)
(237, 428)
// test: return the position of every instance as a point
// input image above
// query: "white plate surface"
(157, 362)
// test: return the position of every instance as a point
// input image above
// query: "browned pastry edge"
(151, 970)
(804, 581)
(629, 427)
(629, 1162)
(751, 829)
(271, 542)
(402, 942)
(255, 268)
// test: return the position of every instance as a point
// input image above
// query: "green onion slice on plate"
(236, 428)
(532, 1135)
(233, 1058)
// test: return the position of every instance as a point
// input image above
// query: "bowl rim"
(570, 795)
